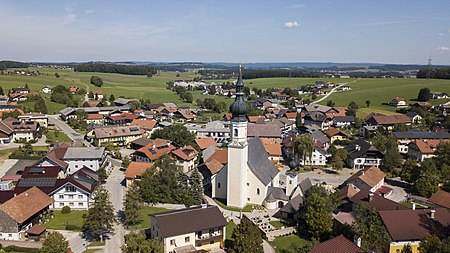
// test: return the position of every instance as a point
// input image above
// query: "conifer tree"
(133, 205)
(100, 217)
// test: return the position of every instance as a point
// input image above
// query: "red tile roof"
(253, 119)
(291, 115)
(428, 146)
(371, 176)
(221, 155)
(186, 153)
(146, 124)
(94, 116)
(380, 203)
(391, 119)
(23, 206)
(333, 131)
(156, 149)
(205, 143)
(124, 116)
(273, 149)
(339, 244)
(137, 169)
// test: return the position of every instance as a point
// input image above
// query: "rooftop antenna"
(429, 68)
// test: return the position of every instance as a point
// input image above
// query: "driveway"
(76, 242)
(116, 194)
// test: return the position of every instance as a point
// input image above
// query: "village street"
(63, 126)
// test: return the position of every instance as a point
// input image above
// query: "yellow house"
(190, 229)
(411, 226)
(117, 135)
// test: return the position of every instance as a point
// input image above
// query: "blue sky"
(384, 31)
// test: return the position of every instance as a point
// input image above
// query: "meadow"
(378, 91)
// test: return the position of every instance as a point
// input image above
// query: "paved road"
(76, 242)
(116, 193)
(63, 126)
(40, 142)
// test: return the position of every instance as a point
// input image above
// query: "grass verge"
(69, 221)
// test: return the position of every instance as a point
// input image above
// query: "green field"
(378, 90)
(288, 243)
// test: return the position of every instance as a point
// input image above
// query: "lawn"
(229, 230)
(54, 136)
(247, 208)
(288, 243)
(277, 223)
(60, 220)
(146, 221)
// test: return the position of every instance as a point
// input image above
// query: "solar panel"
(152, 151)
(35, 171)
(38, 182)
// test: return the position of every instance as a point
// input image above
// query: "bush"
(73, 227)
(65, 210)
(14, 248)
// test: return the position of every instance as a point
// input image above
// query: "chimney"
(357, 241)
(413, 206)
(432, 213)
(370, 197)
(26, 194)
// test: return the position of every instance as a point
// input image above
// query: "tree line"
(4, 65)
(435, 73)
(115, 68)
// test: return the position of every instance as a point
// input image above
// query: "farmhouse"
(18, 130)
(370, 179)
(420, 150)
(47, 89)
(40, 118)
(362, 154)
(397, 102)
(406, 137)
(438, 95)
(118, 135)
(387, 121)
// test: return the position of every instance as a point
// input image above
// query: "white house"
(186, 158)
(47, 89)
(318, 158)
(79, 157)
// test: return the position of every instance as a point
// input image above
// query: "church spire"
(239, 108)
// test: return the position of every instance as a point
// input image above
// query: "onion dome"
(239, 108)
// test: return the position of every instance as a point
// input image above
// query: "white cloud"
(69, 18)
(296, 6)
(291, 24)
(443, 49)
(440, 34)
(89, 11)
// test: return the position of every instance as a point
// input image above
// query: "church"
(249, 177)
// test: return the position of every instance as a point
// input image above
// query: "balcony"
(209, 236)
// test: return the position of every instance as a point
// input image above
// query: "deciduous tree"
(424, 95)
(97, 81)
(55, 243)
(177, 133)
(136, 242)
(369, 227)
(303, 147)
(246, 238)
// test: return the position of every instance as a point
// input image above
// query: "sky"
(381, 31)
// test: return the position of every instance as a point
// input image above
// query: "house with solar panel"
(14, 130)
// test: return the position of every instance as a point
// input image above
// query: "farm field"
(378, 91)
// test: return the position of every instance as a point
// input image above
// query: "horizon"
(382, 32)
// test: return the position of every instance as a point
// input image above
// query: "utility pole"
(429, 68)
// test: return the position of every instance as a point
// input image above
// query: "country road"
(331, 92)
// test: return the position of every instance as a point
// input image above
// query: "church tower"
(238, 149)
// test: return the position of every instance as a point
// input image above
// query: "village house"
(371, 179)
(441, 198)
(73, 90)
(273, 149)
(18, 97)
(15, 130)
(148, 125)
(343, 121)
(185, 114)
(186, 158)
(362, 154)
(40, 118)
(267, 131)
(117, 135)
(47, 89)
(219, 130)
(98, 94)
(96, 119)
(335, 134)
(339, 244)
(134, 172)
(188, 230)
(406, 137)
(411, 226)
(22, 212)
(420, 150)
(397, 102)
(153, 151)
(415, 117)
(79, 157)
(122, 101)
(318, 158)
(438, 95)
(20, 90)
(122, 119)
(370, 199)
(387, 121)
(204, 143)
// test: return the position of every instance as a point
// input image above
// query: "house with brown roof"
(122, 119)
(420, 150)
(153, 151)
(387, 121)
(268, 131)
(411, 226)
(205, 143)
(134, 172)
(98, 94)
(273, 149)
(118, 135)
(186, 158)
(361, 154)
(335, 134)
(185, 114)
(397, 102)
(73, 90)
(190, 229)
(148, 125)
(370, 179)
(339, 244)
(95, 119)
(441, 198)
(19, 130)
(367, 198)
(22, 212)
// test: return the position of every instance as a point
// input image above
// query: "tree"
(407, 249)
(112, 98)
(246, 238)
(177, 133)
(196, 185)
(369, 227)
(368, 103)
(1, 91)
(55, 243)
(352, 109)
(298, 120)
(40, 106)
(424, 95)
(56, 75)
(132, 204)
(137, 242)
(433, 244)
(392, 158)
(410, 172)
(303, 147)
(316, 211)
(442, 154)
(220, 107)
(97, 81)
(100, 217)
(338, 159)
(330, 103)
(188, 97)
(427, 184)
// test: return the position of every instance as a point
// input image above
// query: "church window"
(218, 185)
(235, 132)
(258, 191)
